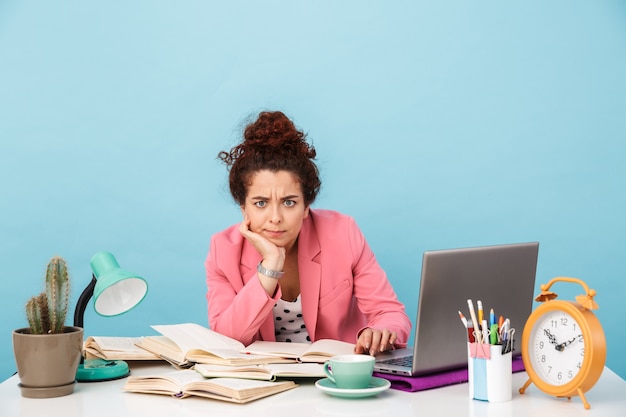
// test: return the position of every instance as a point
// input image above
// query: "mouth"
(274, 233)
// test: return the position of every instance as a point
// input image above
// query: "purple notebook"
(421, 383)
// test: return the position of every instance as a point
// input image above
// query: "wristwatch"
(269, 272)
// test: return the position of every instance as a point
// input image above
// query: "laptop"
(502, 277)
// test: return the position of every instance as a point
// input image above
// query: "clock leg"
(582, 397)
(523, 389)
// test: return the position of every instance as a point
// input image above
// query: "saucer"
(376, 386)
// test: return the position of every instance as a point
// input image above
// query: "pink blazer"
(343, 288)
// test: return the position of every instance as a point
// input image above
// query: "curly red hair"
(273, 143)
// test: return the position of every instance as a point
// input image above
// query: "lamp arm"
(83, 300)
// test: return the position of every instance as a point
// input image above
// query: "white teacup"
(350, 371)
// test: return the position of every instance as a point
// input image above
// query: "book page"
(112, 348)
(267, 372)
(279, 349)
(297, 370)
(164, 347)
(246, 371)
(183, 383)
(191, 336)
(318, 351)
(226, 357)
(328, 348)
(167, 382)
(236, 389)
(115, 343)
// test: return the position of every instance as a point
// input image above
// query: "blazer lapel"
(249, 260)
(310, 273)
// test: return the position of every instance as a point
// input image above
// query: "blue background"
(437, 124)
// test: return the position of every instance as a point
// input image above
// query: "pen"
(505, 330)
(470, 332)
(485, 332)
(463, 319)
(494, 334)
(470, 304)
(480, 311)
(507, 346)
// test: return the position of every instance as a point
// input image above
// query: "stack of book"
(211, 365)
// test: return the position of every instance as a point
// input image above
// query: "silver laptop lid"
(501, 276)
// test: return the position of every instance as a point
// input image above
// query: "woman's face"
(275, 207)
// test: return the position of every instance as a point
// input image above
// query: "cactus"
(47, 311)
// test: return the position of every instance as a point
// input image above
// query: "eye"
(289, 203)
(260, 203)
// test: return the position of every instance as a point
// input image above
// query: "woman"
(288, 272)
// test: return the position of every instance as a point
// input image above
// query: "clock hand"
(558, 346)
(551, 337)
(561, 346)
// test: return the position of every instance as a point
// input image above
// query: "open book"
(267, 372)
(186, 383)
(318, 351)
(185, 344)
(116, 348)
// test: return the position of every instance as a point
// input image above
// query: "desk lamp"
(115, 292)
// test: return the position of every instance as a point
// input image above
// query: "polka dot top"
(289, 322)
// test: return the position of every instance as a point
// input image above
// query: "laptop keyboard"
(403, 361)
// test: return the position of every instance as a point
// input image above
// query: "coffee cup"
(350, 371)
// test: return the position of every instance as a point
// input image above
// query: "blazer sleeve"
(374, 294)
(238, 306)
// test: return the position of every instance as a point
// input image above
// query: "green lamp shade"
(117, 291)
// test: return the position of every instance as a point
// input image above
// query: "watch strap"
(268, 272)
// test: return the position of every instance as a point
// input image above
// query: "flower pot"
(47, 363)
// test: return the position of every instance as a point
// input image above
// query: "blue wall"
(437, 124)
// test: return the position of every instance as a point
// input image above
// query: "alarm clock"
(563, 344)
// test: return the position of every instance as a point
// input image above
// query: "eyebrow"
(287, 197)
(291, 197)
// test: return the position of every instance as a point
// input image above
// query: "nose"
(276, 216)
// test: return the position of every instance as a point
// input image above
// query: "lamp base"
(95, 370)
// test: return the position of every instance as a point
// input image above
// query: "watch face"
(556, 348)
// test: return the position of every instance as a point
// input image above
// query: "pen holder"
(489, 372)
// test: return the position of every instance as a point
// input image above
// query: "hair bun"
(274, 129)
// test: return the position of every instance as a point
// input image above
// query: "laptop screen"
(502, 277)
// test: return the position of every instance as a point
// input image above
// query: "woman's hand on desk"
(373, 341)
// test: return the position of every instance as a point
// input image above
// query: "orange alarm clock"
(563, 344)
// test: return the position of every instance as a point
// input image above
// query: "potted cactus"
(47, 353)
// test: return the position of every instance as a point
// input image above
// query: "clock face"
(556, 347)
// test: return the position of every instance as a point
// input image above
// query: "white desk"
(607, 398)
